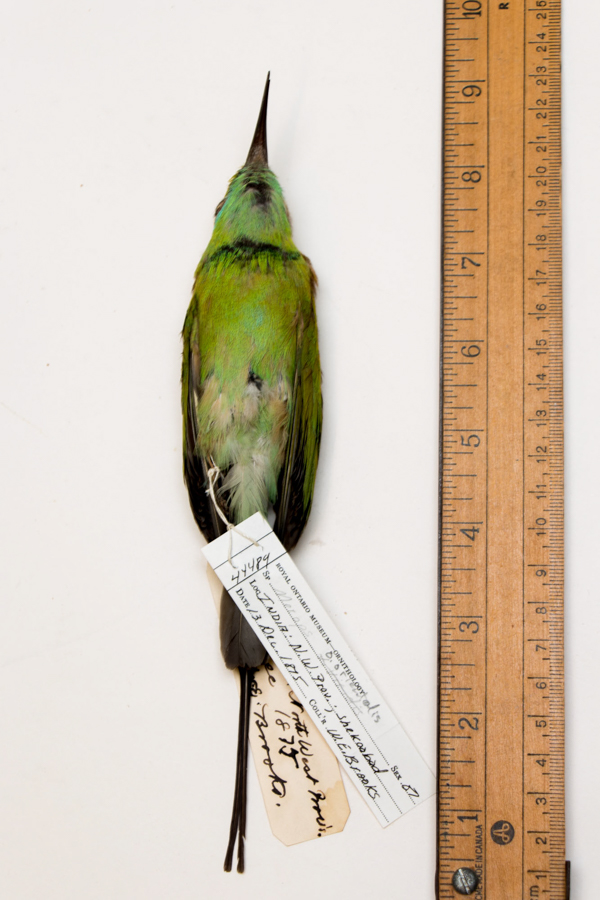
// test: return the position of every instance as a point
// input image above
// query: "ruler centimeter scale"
(501, 711)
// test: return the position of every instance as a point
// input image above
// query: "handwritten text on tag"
(325, 675)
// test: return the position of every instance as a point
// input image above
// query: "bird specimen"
(251, 397)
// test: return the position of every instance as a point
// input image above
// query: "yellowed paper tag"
(298, 773)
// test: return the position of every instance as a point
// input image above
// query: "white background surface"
(122, 122)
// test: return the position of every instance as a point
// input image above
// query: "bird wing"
(239, 645)
(297, 476)
(195, 466)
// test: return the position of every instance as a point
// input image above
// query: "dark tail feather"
(238, 813)
(239, 645)
(244, 773)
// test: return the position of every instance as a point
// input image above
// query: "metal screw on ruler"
(464, 881)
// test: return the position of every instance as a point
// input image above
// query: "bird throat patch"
(324, 679)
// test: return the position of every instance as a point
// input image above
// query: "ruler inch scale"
(501, 830)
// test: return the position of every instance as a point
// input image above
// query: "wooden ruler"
(501, 718)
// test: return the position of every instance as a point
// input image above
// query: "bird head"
(253, 209)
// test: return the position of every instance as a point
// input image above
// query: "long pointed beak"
(257, 156)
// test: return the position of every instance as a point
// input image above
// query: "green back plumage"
(251, 379)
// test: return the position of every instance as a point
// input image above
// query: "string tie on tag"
(212, 476)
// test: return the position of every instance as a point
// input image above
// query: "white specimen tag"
(336, 692)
